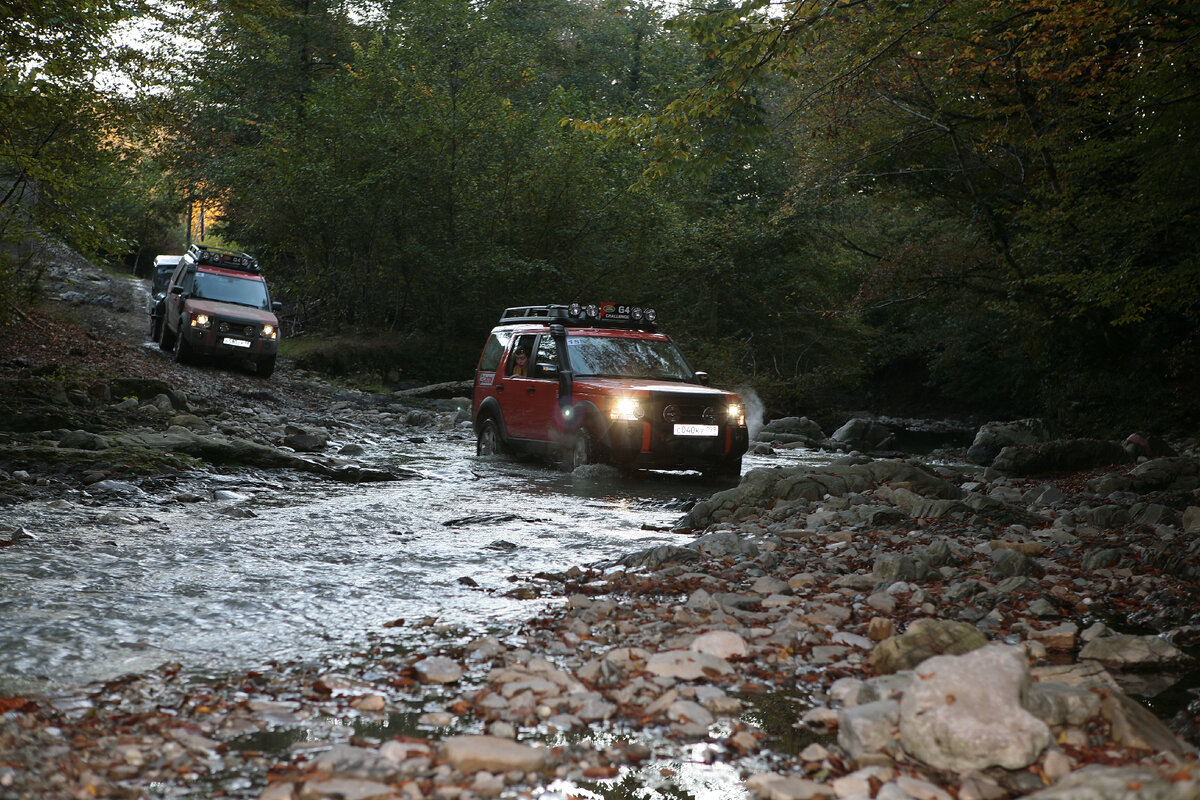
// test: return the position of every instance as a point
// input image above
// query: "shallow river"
(294, 568)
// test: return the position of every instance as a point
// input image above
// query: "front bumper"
(646, 445)
(210, 342)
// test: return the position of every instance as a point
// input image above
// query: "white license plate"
(235, 342)
(695, 430)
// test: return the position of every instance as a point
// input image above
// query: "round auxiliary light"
(671, 413)
(651, 315)
(574, 310)
(592, 312)
(249, 330)
(710, 414)
(636, 314)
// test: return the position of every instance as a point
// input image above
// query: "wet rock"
(771, 786)
(191, 422)
(1010, 563)
(1127, 651)
(892, 567)
(923, 639)
(347, 789)
(1099, 782)
(1064, 455)
(82, 440)
(992, 437)
(725, 543)
(789, 430)
(1058, 704)
(1134, 726)
(722, 644)
(305, 441)
(1061, 637)
(687, 665)
(471, 754)
(1160, 474)
(864, 434)
(655, 557)
(868, 728)
(438, 669)
(964, 712)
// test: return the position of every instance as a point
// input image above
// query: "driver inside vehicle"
(522, 362)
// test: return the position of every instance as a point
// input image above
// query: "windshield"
(621, 357)
(224, 289)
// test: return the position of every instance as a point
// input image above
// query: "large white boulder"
(966, 713)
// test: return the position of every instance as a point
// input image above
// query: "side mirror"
(176, 289)
(277, 306)
(702, 378)
(547, 370)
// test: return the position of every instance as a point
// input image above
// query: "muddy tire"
(580, 451)
(488, 441)
(729, 469)
(166, 339)
(183, 351)
(155, 328)
(265, 367)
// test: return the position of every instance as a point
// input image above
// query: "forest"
(954, 207)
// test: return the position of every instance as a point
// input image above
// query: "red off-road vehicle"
(598, 384)
(217, 304)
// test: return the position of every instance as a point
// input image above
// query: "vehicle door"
(174, 307)
(515, 384)
(489, 366)
(538, 392)
(534, 396)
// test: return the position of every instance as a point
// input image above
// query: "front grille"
(237, 328)
(688, 413)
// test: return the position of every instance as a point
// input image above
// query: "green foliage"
(69, 154)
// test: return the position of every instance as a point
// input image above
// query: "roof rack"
(220, 257)
(599, 315)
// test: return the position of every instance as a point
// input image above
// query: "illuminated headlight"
(737, 414)
(269, 331)
(626, 408)
(201, 321)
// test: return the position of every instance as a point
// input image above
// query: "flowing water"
(280, 566)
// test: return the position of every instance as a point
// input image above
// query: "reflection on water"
(293, 567)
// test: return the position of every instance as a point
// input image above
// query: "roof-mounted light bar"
(605, 315)
(219, 257)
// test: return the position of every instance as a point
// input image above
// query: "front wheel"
(166, 339)
(265, 367)
(729, 469)
(183, 351)
(488, 442)
(580, 451)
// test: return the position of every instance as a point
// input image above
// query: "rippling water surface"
(299, 567)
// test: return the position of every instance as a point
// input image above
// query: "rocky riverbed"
(882, 627)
